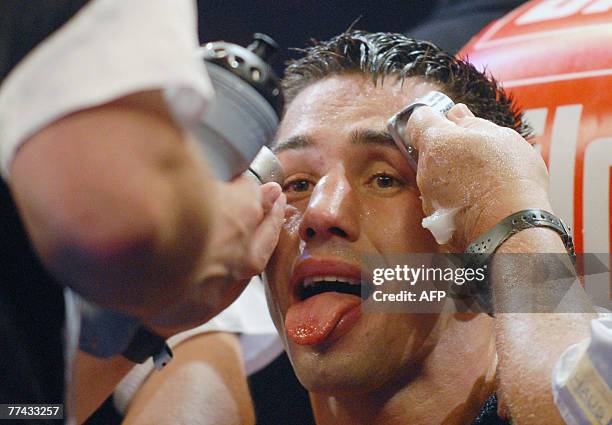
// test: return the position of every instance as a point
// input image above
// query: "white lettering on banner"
(596, 195)
(536, 118)
(562, 160)
(597, 214)
(598, 7)
(557, 9)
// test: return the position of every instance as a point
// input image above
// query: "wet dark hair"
(382, 54)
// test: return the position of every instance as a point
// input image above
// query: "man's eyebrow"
(372, 137)
(294, 142)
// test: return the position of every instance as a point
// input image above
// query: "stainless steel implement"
(396, 125)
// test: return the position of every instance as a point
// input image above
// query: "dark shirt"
(31, 318)
(31, 301)
(453, 22)
(488, 414)
(23, 25)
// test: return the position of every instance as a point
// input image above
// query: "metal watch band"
(146, 344)
(479, 252)
(481, 249)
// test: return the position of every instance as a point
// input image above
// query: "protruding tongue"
(310, 321)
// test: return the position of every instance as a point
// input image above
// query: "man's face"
(350, 192)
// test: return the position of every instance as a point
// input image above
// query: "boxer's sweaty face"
(350, 192)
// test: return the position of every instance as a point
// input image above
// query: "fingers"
(458, 112)
(270, 193)
(461, 115)
(426, 126)
(246, 198)
(266, 235)
(246, 187)
(425, 118)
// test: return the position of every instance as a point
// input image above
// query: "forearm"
(204, 384)
(529, 344)
(95, 379)
(116, 204)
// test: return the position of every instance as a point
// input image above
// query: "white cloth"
(248, 316)
(109, 49)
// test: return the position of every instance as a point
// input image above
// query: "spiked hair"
(384, 54)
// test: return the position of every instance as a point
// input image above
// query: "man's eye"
(385, 181)
(298, 186)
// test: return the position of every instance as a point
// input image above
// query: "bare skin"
(204, 384)
(119, 209)
(117, 206)
(95, 379)
(350, 192)
(385, 369)
(528, 344)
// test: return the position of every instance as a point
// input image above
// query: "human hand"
(480, 171)
(245, 232)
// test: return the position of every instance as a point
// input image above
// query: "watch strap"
(481, 249)
(479, 252)
(145, 344)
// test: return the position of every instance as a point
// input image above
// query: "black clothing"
(453, 22)
(31, 301)
(488, 414)
(23, 25)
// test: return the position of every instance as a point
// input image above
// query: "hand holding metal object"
(396, 125)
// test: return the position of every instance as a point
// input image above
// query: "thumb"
(266, 237)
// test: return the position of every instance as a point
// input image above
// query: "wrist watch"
(147, 344)
(480, 251)
(487, 244)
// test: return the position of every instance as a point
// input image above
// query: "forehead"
(344, 103)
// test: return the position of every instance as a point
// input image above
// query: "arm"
(95, 379)
(204, 384)
(529, 344)
(511, 176)
(115, 204)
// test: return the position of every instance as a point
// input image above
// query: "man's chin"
(336, 383)
(336, 371)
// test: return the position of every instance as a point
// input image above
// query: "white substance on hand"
(441, 223)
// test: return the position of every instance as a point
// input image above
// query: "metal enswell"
(397, 123)
(266, 167)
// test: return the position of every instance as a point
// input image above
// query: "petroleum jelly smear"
(441, 223)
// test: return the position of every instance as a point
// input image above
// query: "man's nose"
(331, 211)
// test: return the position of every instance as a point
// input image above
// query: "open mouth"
(326, 301)
(315, 285)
